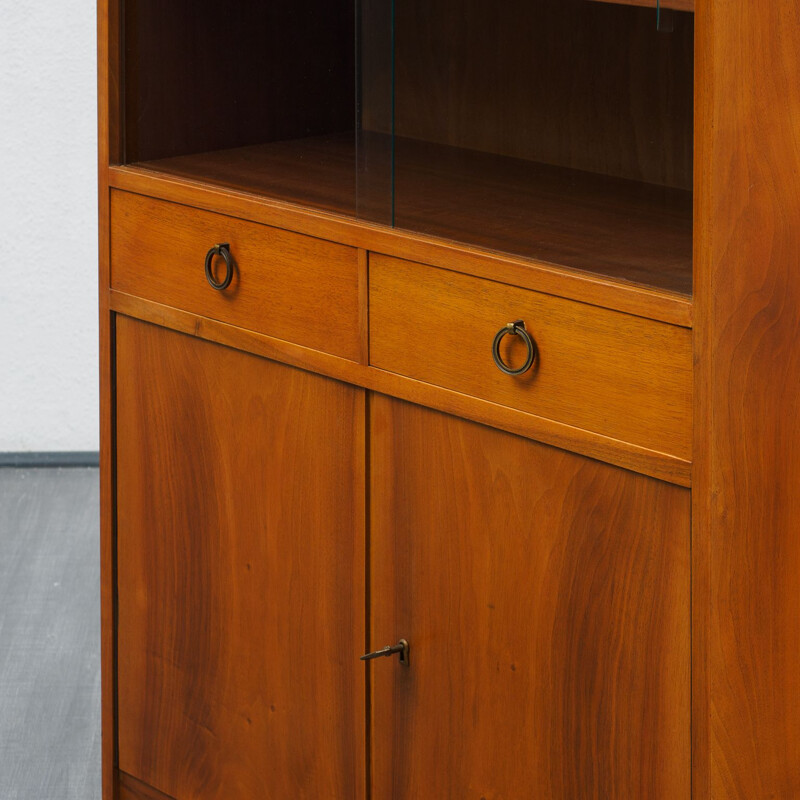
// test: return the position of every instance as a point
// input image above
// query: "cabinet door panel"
(545, 598)
(240, 572)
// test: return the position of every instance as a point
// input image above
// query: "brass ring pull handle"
(223, 250)
(515, 329)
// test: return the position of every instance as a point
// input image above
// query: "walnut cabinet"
(449, 399)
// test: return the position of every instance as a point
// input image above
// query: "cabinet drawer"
(286, 285)
(603, 371)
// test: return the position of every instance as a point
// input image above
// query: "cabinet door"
(240, 572)
(545, 599)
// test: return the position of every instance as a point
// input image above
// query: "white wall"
(48, 226)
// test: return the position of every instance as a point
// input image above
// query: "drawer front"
(286, 285)
(603, 371)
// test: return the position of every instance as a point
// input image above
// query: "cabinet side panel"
(240, 572)
(747, 295)
(108, 150)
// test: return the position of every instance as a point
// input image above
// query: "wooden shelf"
(624, 230)
(676, 5)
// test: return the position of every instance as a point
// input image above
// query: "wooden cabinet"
(240, 572)
(504, 366)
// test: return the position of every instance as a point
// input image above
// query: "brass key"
(401, 647)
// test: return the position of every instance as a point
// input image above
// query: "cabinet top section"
(549, 132)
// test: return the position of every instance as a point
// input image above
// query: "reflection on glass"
(375, 113)
(559, 130)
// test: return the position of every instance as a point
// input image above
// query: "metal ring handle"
(515, 329)
(223, 250)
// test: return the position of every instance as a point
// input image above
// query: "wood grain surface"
(622, 376)
(240, 569)
(204, 74)
(622, 229)
(294, 287)
(747, 511)
(132, 789)
(678, 5)
(613, 451)
(545, 598)
(530, 273)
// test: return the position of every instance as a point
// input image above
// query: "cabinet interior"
(556, 130)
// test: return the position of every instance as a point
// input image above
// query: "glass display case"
(553, 130)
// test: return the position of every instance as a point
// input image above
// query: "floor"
(49, 635)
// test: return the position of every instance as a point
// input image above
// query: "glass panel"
(559, 130)
(375, 113)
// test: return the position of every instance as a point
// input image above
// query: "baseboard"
(89, 458)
